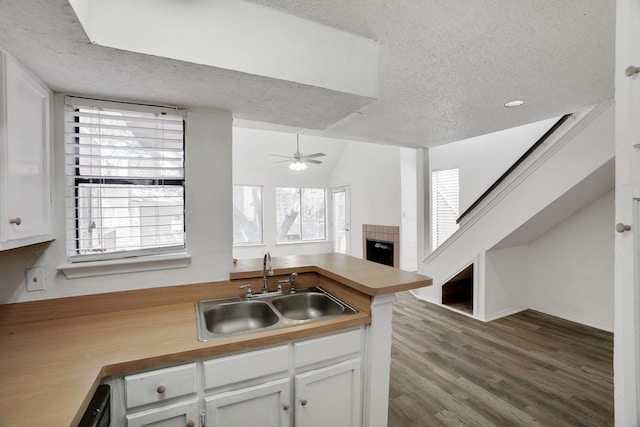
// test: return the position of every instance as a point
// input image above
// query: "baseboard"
(438, 303)
(573, 319)
(504, 313)
(414, 292)
(510, 311)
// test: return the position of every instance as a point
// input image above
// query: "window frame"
(435, 241)
(73, 183)
(302, 240)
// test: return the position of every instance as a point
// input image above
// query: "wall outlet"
(35, 279)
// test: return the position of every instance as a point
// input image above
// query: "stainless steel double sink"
(220, 318)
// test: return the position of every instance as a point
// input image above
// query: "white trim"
(475, 259)
(439, 304)
(302, 242)
(504, 313)
(572, 319)
(415, 293)
(512, 311)
(583, 118)
(126, 265)
(123, 105)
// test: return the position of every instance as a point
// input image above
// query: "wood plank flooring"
(528, 369)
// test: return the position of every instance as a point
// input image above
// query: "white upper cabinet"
(25, 157)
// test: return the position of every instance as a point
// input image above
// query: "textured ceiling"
(446, 68)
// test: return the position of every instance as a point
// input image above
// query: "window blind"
(445, 195)
(339, 241)
(124, 169)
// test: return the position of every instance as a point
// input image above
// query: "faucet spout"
(266, 262)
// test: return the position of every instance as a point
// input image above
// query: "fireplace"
(381, 244)
(380, 251)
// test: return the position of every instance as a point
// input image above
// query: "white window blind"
(124, 167)
(339, 203)
(445, 195)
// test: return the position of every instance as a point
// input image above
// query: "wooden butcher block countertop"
(54, 353)
(364, 276)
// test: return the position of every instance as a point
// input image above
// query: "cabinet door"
(265, 405)
(330, 396)
(25, 157)
(181, 414)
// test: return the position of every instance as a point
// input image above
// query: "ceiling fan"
(298, 160)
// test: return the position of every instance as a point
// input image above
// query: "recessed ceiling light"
(516, 103)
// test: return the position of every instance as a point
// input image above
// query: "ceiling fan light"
(297, 165)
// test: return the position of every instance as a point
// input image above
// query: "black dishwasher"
(98, 414)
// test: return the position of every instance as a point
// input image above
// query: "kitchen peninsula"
(56, 352)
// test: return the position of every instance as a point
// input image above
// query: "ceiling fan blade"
(315, 162)
(278, 155)
(310, 156)
(283, 161)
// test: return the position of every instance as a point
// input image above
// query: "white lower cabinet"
(309, 383)
(181, 414)
(264, 405)
(329, 396)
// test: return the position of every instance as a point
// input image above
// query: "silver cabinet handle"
(621, 228)
(631, 70)
(16, 221)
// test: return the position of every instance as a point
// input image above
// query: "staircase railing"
(513, 167)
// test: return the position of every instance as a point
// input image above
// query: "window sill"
(126, 265)
(302, 242)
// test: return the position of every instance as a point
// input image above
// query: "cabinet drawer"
(246, 366)
(159, 385)
(326, 348)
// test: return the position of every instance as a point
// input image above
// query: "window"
(247, 215)
(445, 196)
(300, 214)
(124, 167)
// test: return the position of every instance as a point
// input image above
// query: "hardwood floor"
(528, 369)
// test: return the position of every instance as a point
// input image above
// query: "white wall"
(253, 165)
(484, 158)
(505, 282)
(409, 193)
(208, 221)
(373, 173)
(381, 180)
(571, 267)
(579, 152)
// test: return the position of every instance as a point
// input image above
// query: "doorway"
(340, 220)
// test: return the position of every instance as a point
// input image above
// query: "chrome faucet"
(265, 272)
(291, 281)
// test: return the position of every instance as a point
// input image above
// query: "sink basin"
(239, 316)
(309, 305)
(235, 316)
